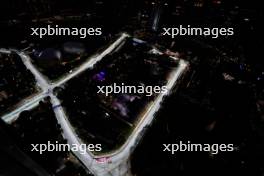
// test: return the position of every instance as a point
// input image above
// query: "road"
(46, 85)
(124, 152)
(26, 104)
(41, 80)
(91, 62)
(47, 90)
(118, 158)
(68, 132)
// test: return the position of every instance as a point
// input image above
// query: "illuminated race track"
(116, 162)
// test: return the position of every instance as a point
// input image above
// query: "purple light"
(100, 76)
(102, 73)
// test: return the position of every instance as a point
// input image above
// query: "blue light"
(102, 73)
(100, 76)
